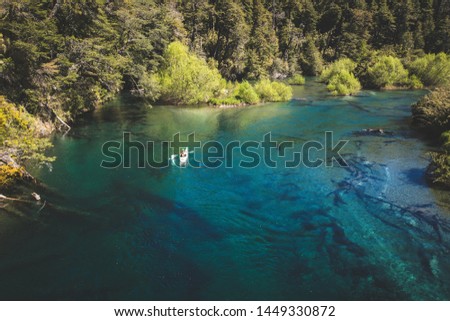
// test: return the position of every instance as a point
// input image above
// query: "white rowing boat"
(184, 159)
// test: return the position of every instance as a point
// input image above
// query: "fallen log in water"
(35, 195)
(3, 197)
(362, 176)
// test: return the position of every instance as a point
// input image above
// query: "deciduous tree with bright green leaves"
(386, 72)
(296, 80)
(246, 93)
(343, 83)
(340, 78)
(432, 70)
(273, 91)
(337, 67)
(186, 78)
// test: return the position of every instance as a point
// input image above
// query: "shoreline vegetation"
(59, 59)
(431, 115)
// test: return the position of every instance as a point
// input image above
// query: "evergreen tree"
(262, 48)
(226, 42)
(311, 61)
(384, 26)
(439, 40)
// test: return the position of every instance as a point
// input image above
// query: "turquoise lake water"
(371, 231)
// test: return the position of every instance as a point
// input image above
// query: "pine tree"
(439, 40)
(311, 60)
(226, 42)
(384, 26)
(262, 48)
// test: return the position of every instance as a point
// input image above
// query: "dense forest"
(60, 58)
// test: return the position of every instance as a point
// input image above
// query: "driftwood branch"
(55, 115)
(45, 203)
(63, 122)
(6, 198)
(3, 197)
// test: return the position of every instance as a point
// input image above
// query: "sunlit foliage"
(343, 83)
(340, 79)
(296, 80)
(432, 112)
(432, 70)
(273, 91)
(186, 78)
(386, 72)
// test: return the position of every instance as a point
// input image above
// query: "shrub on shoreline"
(20, 140)
(337, 67)
(246, 93)
(340, 78)
(186, 78)
(438, 171)
(273, 91)
(433, 70)
(343, 83)
(387, 72)
(432, 112)
(296, 80)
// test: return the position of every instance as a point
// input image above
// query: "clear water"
(371, 231)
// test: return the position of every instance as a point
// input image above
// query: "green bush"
(438, 171)
(186, 78)
(19, 133)
(284, 92)
(432, 70)
(273, 91)
(445, 137)
(230, 101)
(414, 82)
(386, 72)
(343, 83)
(2, 45)
(266, 91)
(340, 78)
(296, 80)
(337, 67)
(432, 112)
(246, 93)
(149, 86)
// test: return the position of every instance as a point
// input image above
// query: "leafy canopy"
(273, 91)
(432, 70)
(296, 80)
(340, 78)
(19, 133)
(337, 67)
(186, 78)
(387, 71)
(432, 112)
(343, 83)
